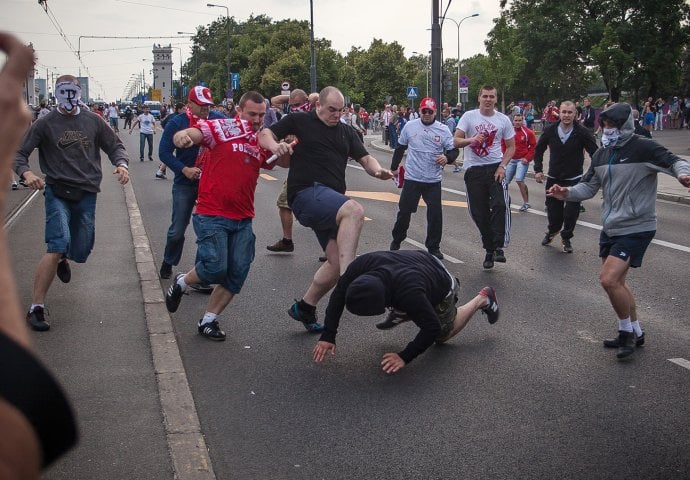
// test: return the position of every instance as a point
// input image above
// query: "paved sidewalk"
(112, 346)
(669, 188)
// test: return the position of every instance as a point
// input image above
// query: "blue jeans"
(392, 136)
(225, 250)
(183, 199)
(143, 138)
(70, 226)
(516, 166)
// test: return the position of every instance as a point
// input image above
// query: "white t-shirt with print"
(495, 128)
(146, 123)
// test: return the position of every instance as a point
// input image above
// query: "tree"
(505, 56)
(635, 44)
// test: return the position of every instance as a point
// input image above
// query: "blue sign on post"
(464, 81)
(412, 92)
(235, 81)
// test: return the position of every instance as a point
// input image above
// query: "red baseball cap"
(200, 95)
(428, 102)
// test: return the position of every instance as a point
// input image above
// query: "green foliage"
(635, 45)
(537, 50)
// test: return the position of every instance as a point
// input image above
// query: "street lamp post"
(196, 60)
(227, 19)
(457, 24)
(312, 66)
(427, 71)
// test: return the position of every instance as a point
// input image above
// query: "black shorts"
(631, 246)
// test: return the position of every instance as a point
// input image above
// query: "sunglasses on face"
(427, 111)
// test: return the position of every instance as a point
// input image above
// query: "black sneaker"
(202, 288)
(499, 256)
(281, 246)
(174, 295)
(548, 238)
(37, 320)
(626, 344)
(615, 343)
(489, 260)
(491, 309)
(15, 186)
(567, 246)
(308, 319)
(211, 331)
(437, 254)
(150, 159)
(64, 272)
(166, 270)
(323, 258)
(393, 319)
(394, 246)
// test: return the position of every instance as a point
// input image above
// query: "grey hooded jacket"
(627, 174)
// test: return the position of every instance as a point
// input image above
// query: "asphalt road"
(534, 396)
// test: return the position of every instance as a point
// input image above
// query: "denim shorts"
(70, 226)
(517, 169)
(632, 246)
(225, 250)
(316, 207)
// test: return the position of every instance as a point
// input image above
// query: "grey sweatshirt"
(69, 149)
(627, 174)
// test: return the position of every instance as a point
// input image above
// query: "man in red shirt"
(525, 141)
(225, 207)
(551, 114)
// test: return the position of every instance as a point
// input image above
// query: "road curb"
(186, 444)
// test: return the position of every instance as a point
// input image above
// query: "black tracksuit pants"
(562, 216)
(489, 204)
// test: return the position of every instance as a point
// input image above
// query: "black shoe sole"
(165, 271)
(64, 272)
(205, 289)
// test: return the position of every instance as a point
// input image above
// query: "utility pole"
(436, 55)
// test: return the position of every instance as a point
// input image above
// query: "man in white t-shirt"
(429, 147)
(482, 130)
(147, 127)
(114, 116)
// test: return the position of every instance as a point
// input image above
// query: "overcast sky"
(111, 62)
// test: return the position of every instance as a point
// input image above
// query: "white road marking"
(421, 246)
(593, 226)
(680, 361)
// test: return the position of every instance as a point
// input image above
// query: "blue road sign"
(412, 92)
(235, 81)
(464, 81)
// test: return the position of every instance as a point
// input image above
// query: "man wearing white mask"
(69, 140)
(625, 170)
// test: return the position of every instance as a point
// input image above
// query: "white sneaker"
(525, 207)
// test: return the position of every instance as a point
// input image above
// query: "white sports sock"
(182, 284)
(636, 327)
(208, 318)
(625, 325)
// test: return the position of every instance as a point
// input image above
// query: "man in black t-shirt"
(317, 171)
